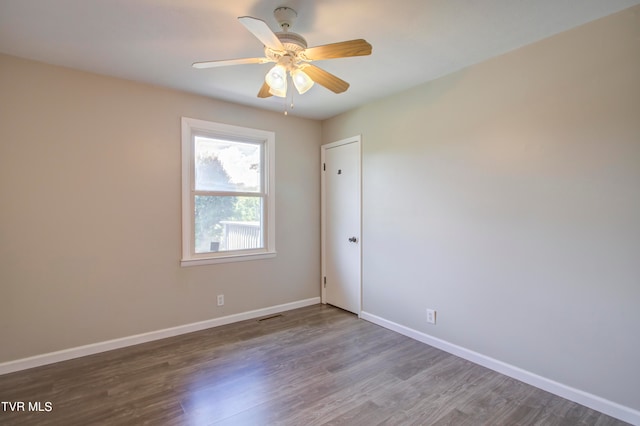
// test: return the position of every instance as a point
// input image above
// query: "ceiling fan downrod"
(285, 17)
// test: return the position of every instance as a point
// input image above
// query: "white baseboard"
(94, 348)
(602, 405)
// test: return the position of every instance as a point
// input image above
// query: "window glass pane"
(226, 165)
(225, 223)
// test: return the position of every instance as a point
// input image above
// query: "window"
(228, 201)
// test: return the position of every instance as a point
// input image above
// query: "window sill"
(227, 259)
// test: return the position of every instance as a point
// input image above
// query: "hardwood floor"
(312, 366)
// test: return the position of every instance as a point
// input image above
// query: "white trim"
(357, 139)
(191, 127)
(595, 402)
(227, 259)
(323, 228)
(94, 348)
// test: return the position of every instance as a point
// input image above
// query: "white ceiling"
(156, 41)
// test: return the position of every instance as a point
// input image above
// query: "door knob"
(353, 239)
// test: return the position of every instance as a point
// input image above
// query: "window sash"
(220, 138)
(226, 251)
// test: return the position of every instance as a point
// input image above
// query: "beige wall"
(507, 197)
(90, 211)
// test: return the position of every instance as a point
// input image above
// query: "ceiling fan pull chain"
(286, 112)
(292, 99)
(285, 106)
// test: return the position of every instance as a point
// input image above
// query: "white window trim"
(191, 127)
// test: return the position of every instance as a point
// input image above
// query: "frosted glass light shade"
(301, 80)
(276, 78)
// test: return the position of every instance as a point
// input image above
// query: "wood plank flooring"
(312, 366)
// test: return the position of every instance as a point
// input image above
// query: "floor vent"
(269, 318)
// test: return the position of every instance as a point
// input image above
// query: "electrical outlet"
(431, 316)
(221, 300)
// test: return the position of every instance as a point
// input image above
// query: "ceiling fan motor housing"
(292, 41)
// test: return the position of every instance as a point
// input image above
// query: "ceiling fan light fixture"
(301, 80)
(281, 93)
(276, 78)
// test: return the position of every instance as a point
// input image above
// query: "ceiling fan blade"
(213, 64)
(343, 49)
(261, 30)
(264, 91)
(325, 79)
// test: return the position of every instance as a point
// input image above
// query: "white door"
(341, 248)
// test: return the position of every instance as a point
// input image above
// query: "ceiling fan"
(289, 52)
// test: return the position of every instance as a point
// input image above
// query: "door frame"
(357, 139)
